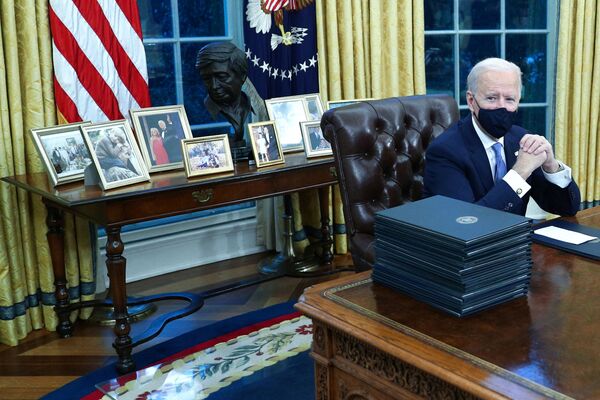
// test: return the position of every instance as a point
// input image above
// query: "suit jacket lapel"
(478, 154)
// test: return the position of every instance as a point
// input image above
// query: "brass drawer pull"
(203, 196)
(333, 172)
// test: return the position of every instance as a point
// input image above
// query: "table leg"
(56, 240)
(115, 263)
(327, 255)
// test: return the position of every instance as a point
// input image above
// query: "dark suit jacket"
(457, 166)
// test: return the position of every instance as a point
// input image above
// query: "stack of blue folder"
(456, 256)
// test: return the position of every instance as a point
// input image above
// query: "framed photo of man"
(63, 152)
(315, 144)
(288, 112)
(115, 154)
(206, 155)
(265, 143)
(159, 131)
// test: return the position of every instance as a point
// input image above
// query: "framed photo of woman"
(206, 155)
(315, 144)
(115, 154)
(159, 131)
(265, 143)
(63, 152)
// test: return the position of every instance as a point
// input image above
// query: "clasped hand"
(535, 151)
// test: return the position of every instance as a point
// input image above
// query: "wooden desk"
(371, 342)
(167, 194)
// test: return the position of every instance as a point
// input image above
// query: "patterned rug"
(267, 358)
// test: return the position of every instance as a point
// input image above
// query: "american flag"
(99, 59)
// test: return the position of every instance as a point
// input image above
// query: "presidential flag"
(99, 59)
(281, 46)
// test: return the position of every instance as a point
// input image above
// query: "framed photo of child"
(115, 154)
(265, 143)
(159, 131)
(63, 152)
(206, 155)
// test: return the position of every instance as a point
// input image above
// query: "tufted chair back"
(379, 150)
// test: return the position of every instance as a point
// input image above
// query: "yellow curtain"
(26, 102)
(367, 49)
(370, 48)
(578, 94)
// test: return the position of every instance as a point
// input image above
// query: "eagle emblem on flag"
(260, 15)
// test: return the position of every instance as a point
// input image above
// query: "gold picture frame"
(206, 155)
(265, 143)
(63, 151)
(315, 144)
(288, 112)
(159, 131)
(115, 154)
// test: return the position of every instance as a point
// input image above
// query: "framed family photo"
(206, 155)
(115, 154)
(288, 112)
(159, 131)
(315, 144)
(63, 152)
(341, 103)
(265, 143)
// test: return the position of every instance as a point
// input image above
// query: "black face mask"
(496, 122)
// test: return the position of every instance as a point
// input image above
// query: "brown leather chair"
(379, 150)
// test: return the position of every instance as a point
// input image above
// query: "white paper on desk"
(564, 235)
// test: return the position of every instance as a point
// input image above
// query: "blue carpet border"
(85, 385)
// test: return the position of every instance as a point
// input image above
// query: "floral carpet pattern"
(197, 375)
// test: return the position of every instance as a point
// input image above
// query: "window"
(459, 33)
(174, 31)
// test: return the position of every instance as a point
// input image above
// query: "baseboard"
(180, 245)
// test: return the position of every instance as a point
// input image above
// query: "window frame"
(233, 14)
(551, 45)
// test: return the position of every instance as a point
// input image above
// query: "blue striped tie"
(500, 169)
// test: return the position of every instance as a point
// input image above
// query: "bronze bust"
(224, 69)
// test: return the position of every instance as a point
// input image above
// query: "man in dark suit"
(485, 159)
(316, 137)
(171, 142)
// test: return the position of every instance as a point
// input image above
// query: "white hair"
(491, 64)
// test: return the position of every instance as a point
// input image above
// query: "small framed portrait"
(265, 143)
(115, 154)
(63, 152)
(206, 155)
(314, 107)
(159, 131)
(342, 103)
(288, 112)
(315, 144)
